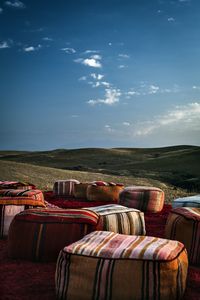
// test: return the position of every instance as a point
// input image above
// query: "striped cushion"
(120, 219)
(16, 185)
(64, 187)
(144, 198)
(183, 224)
(7, 213)
(107, 193)
(22, 197)
(192, 201)
(80, 190)
(39, 234)
(105, 265)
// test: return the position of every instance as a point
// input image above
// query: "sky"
(99, 73)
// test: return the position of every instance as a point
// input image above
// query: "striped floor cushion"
(64, 187)
(16, 185)
(120, 219)
(150, 199)
(80, 190)
(109, 192)
(14, 201)
(39, 234)
(106, 265)
(183, 224)
(192, 201)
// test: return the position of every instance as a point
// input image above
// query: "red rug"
(23, 280)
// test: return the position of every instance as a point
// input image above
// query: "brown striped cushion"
(22, 197)
(107, 193)
(183, 224)
(144, 198)
(64, 187)
(16, 185)
(80, 190)
(120, 219)
(105, 265)
(39, 234)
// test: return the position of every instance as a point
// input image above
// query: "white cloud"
(124, 55)
(182, 117)
(108, 128)
(91, 51)
(126, 123)
(133, 93)
(195, 87)
(153, 89)
(91, 62)
(110, 44)
(111, 97)
(48, 39)
(32, 48)
(121, 66)
(171, 19)
(15, 4)
(83, 78)
(74, 116)
(4, 45)
(69, 50)
(1, 10)
(96, 76)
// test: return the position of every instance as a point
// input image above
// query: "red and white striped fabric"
(65, 187)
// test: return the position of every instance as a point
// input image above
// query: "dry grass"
(44, 177)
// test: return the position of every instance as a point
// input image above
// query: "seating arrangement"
(119, 219)
(183, 224)
(147, 199)
(192, 201)
(106, 265)
(39, 234)
(13, 202)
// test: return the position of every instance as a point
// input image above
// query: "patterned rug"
(22, 280)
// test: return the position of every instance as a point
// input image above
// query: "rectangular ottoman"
(106, 265)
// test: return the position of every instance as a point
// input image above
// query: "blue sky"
(104, 73)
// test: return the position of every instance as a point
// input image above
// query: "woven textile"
(64, 187)
(16, 185)
(107, 193)
(105, 265)
(144, 198)
(80, 190)
(22, 197)
(7, 213)
(39, 234)
(183, 224)
(120, 219)
(192, 201)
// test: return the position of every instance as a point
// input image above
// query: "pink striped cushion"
(144, 198)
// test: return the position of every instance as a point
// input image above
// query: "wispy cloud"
(1, 10)
(32, 48)
(47, 39)
(121, 55)
(15, 4)
(96, 76)
(126, 123)
(186, 116)
(195, 87)
(69, 50)
(171, 19)
(83, 78)
(4, 45)
(91, 51)
(153, 89)
(121, 66)
(111, 97)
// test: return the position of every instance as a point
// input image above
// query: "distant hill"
(176, 165)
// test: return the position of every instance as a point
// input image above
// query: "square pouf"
(64, 187)
(39, 234)
(192, 201)
(183, 224)
(16, 185)
(106, 265)
(13, 202)
(144, 198)
(120, 219)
